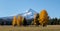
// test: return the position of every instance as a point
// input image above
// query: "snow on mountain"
(29, 14)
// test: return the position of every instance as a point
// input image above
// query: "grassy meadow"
(30, 28)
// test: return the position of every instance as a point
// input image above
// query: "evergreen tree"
(24, 22)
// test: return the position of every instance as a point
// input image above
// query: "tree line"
(41, 18)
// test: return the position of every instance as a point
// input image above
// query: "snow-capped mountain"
(29, 14)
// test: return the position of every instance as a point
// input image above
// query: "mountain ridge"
(28, 14)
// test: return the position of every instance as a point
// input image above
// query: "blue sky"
(13, 7)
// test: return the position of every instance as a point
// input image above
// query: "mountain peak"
(31, 10)
(28, 14)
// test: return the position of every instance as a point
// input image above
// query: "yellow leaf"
(14, 22)
(43, 17)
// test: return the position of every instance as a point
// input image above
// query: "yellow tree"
(19, 20)
(14, 22)
(43, 17)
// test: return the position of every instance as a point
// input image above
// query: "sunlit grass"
(31, 28)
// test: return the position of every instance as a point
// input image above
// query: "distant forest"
(51, 21)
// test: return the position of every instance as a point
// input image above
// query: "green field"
(30, 28)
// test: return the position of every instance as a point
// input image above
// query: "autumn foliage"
(43, 17)
(36, 21)
(17, 21)
(14, 22)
